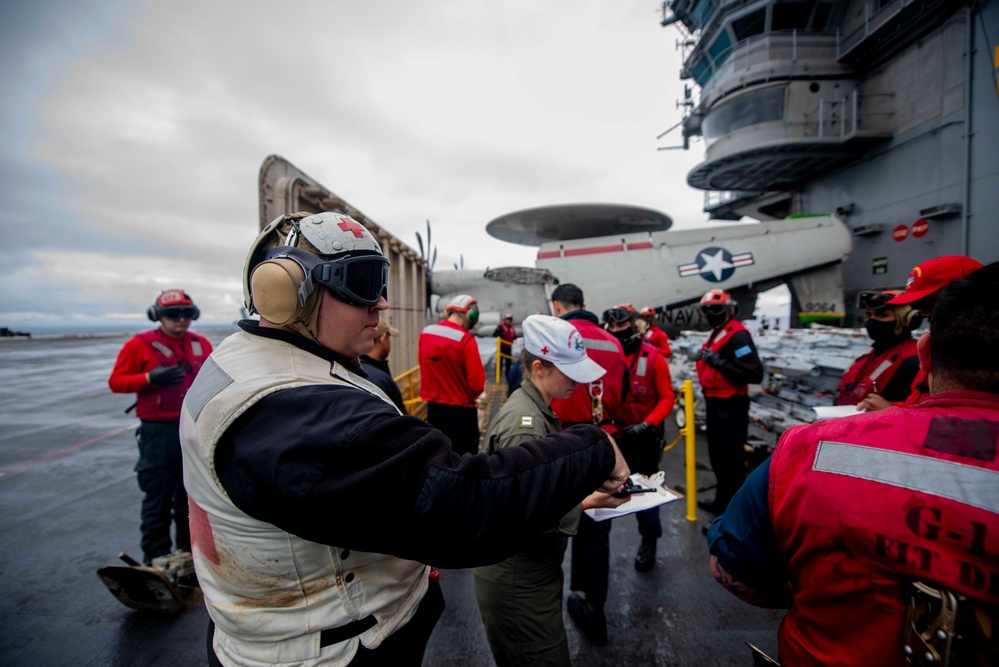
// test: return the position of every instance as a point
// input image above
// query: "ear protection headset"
(280, 286)
(907, 320)
(278, 281)
(154, 314)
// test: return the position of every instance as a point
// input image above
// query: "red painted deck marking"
(62, 452)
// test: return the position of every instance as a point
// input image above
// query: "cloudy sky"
(133, 132)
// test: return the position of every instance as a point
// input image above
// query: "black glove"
(635, 430)
(710, 357)
(166, 375)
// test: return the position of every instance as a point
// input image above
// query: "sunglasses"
(357, 280)
(873, 300)
(181, 313)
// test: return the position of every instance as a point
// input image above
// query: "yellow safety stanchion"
(499, 357)
(689, 430)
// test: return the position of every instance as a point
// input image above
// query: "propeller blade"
(419, 240)
(434, 260)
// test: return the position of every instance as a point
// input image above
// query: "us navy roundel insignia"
(716, 265)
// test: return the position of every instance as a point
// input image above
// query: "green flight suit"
(520, 598)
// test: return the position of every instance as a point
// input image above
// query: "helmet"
(173, 304)
(647, 311)
(296, 251)
(906, 317)
(622, 312)
(460, 303)
(717, 297)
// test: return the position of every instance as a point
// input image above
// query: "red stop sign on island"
(920, 227)
(900, 233)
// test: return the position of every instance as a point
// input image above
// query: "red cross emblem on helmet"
(351, 225)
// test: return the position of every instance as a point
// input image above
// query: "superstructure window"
(701, 12)
(702, 71)
(721, 48)
(805, 16)
(749, 25)
(759, 107)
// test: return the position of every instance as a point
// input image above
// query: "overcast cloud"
(133, 132)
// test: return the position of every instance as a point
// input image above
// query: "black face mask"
(716, 320)
(623, 334)
(879, 331)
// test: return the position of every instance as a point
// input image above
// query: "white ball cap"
(555, 340)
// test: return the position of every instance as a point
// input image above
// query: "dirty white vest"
(271, 593)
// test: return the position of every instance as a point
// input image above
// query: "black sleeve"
(744, 542)
(337, 466)
(900, 385)
(739, 361)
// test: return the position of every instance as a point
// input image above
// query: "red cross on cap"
(544, 351)
(351, 225)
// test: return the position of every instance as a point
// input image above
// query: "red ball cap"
(934, 274)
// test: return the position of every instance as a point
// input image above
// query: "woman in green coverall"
(520, 599)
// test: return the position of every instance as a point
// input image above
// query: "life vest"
(658, 338)
(606, 350)
(920, 389)
(714, 384)
(507, 333)
(450, 366)
(864, 504)
(642, 397)
(858, 381)
(272, 593)
(163, 402)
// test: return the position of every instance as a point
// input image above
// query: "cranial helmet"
(173, 304)
(296, 252)
(717, 297)
(906, 317)
(647, 311)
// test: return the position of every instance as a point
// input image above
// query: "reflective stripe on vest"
(163, 349)
(965, 484)
(445, 332)
(594, 344)
(642, 367)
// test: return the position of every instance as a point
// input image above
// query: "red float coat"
(920, 389)
(859, 379)
(659, 339)
(714, 383)
(606, 350)
(144, 352)
(863, 504)
(451, 369)
(650, 398)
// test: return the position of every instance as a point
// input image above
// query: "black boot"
(588, 618)
(646, 558)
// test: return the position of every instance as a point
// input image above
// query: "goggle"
(359, 280)
(713, 309)
(178, 313)
(873, 300)
(617, 315)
